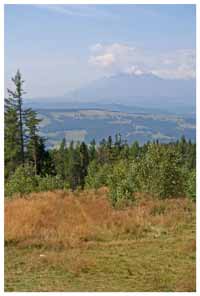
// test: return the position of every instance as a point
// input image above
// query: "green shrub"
(23, 181)
(49, 183)
(97, 175)
(159, 172)
(121, 186)
(191, 185)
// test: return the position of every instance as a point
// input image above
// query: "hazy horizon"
(59, 48)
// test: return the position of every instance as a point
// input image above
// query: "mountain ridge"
(145, 91)
(137, 89)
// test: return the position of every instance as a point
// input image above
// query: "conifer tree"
(61, 160)
(22, 140)
(74, 167)
(11, 137)
(84, 162)
(32, 137)
(16, 96)
(103, 155)
(92, 150)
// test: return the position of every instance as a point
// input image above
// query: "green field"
(148, 265)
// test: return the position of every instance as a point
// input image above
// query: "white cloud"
(134, 70)
(118, 57)
(104, 61)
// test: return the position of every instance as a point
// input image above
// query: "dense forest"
(161, 170)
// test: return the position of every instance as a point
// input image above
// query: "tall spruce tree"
(92, 150)
(84, 162)
(32, 138)
(11, 137)
(22, 140)
(74, 167)
(16, 96)
(61, 160)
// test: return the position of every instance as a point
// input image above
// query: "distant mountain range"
(136, 92)
(141, 90)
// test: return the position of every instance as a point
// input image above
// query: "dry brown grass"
(65, 219)
(64, 241)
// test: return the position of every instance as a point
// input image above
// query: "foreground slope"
(57, 241)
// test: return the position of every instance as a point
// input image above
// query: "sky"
(59, 48)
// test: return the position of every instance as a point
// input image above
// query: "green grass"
(162, 264)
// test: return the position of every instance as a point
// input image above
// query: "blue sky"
(62, 47)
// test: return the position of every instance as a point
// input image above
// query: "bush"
(23, 181)
(97, 175)
(191, 185)
(159, 172)
(121, 186)
(49, 183)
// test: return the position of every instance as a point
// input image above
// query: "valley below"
(88, 124)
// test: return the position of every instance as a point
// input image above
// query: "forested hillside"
(163, 170)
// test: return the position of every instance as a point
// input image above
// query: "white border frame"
(2, 3)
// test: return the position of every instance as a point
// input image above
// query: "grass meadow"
(64, 241)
